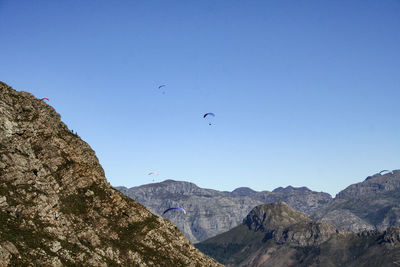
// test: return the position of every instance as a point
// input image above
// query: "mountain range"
(373, 204)
(211, 212)
(277, 235)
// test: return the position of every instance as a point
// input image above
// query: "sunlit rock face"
(371, 204)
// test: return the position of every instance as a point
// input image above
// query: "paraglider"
(153, 173)
(209, 114)
(43, 99)
(161, 86)
(174, 208)
(383, 171)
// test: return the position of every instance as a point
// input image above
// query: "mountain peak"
(271, 216)
(243, 191)
(372, 185)
(291, 189)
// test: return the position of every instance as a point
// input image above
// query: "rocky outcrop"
(371, 204)
(272, 216)
(284, 224)
(213, 212)
(297, 241)
(57, 208)
(346, 220)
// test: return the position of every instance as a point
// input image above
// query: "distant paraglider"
(209, 114)
(153, 173)
(161, 86)
(43, 99)
(174, 208)
(383, 171)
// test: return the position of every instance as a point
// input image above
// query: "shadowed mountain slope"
(56, 207)
(277, 235)
(211, 212)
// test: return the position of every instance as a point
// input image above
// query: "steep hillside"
(211, 212)
(56, 207)
(371, 204)
(277, 235)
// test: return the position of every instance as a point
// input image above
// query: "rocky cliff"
(56, 207)
(211, 212)
(371, 204)
(277, 235)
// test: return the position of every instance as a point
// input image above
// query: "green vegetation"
(74, 204)
(221, 253)
(25, 239)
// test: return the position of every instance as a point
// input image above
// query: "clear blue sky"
(306, 93)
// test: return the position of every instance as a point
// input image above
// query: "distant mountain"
(277, 235)
(211, 212)
(243, 191)
(371, 204)
(57, 208)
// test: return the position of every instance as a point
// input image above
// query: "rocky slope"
(211, 212)
(277, 235)
(56, 207)
(371, 204)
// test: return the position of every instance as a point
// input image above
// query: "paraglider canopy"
(45, 99)
(174, 208)
(383, 171)
(208, 114)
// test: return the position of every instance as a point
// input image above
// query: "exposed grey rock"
(243, 191)
(371, 204)
(346, 220)
(7, 250)
(210, 212)
(3, 201)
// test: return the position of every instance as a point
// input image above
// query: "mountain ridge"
(370, 204)
(211, 212)
(261, 240)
